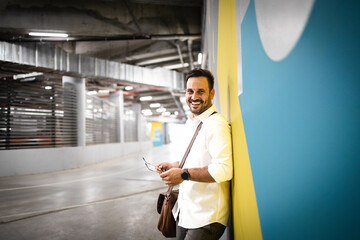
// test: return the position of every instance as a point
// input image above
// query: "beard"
(198, 106)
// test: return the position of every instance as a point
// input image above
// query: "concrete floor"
(112, 200)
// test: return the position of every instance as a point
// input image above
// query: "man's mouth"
(195, 104)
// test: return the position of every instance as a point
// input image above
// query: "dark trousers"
(208, 232)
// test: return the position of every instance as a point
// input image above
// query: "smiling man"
(199, 94)
(202, 209)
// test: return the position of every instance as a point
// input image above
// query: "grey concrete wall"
(31, 161)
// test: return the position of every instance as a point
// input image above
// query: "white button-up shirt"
(201, 203)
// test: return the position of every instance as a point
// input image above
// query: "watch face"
(185, 174)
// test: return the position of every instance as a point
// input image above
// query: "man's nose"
(195, 96)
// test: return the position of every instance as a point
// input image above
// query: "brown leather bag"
(167, 200)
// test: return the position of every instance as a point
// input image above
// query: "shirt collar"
(202, 117)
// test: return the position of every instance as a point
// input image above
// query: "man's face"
(198, 95)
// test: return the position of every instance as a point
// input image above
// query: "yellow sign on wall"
(157, 133)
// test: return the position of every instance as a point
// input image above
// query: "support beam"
(136, 107)
(79, 85)
(118, 99)
(180, 54)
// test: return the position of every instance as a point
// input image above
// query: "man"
(202, 209)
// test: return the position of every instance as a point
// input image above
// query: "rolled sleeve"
(220, 149)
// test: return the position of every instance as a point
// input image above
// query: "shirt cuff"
(220, 172)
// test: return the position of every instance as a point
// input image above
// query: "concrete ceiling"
(146, 33)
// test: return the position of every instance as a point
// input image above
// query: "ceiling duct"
(49, 58)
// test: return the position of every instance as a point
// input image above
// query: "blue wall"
(302, 124)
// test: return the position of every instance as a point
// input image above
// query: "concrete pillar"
(166, 138)
(118, 99)
(79, 85)
(136, 107)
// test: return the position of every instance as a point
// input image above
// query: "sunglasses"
(149, 166)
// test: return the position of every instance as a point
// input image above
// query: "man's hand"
(163, 167)
(172, 176)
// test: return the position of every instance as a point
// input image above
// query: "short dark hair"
(199, 72)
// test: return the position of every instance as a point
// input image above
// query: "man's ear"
(212, 93)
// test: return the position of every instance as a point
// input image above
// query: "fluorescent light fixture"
(129, 88)
(155, 105)
(199, 58)
(146, 112)
(146, 98)
(176, 66)
(160, 110)
(166, 113)
(48, 87)
(27, 75)
(92, 92)
(48, 34)
(104, 91)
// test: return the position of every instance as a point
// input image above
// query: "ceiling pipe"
(190, 54)
(110, 38)
(180, 54)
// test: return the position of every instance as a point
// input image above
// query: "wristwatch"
(185, 174)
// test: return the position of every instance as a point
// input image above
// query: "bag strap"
(187, 151)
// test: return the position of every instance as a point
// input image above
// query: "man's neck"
(193, 115)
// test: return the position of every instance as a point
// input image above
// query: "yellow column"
(245, 212)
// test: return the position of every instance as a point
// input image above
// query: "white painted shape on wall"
(241, 8)
(281, 24)
(212, 38)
